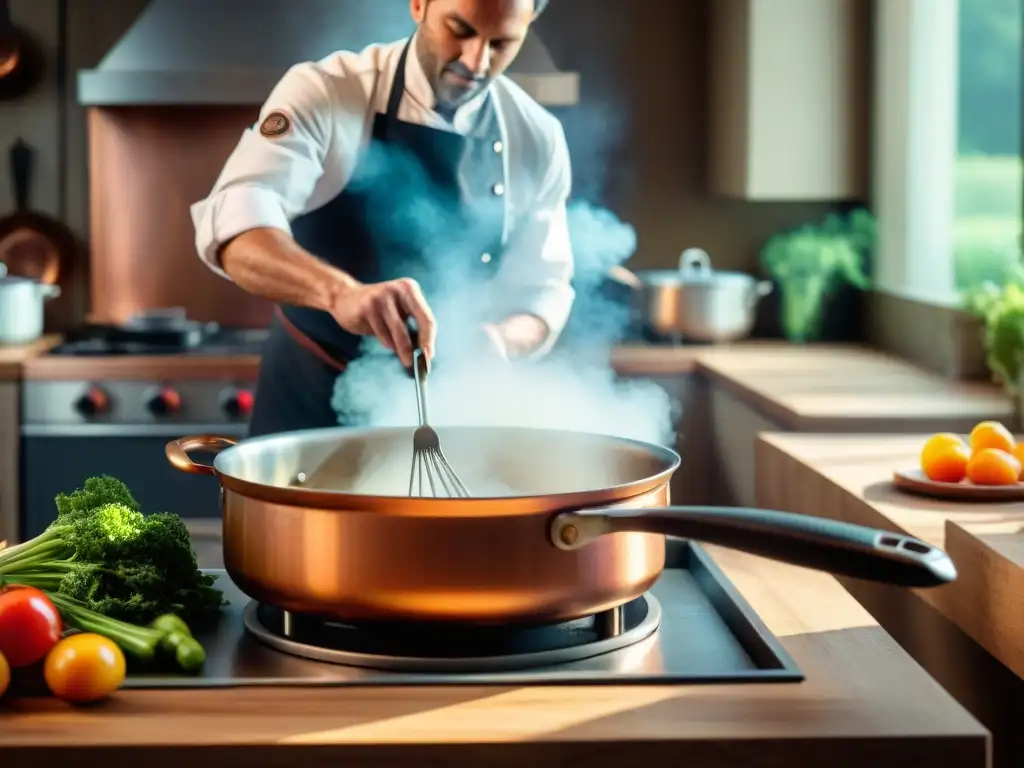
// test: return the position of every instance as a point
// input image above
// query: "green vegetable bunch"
(103, 553)
(167, 633)
(811, 262)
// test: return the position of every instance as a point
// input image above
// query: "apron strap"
(307, 343)
(396, 92)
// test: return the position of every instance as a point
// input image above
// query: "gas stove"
(162, 332)
(692, 627)
(112, 396)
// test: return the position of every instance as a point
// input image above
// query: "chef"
(376, 181)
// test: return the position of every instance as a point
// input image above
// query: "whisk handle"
(419, 370)
(420, 364)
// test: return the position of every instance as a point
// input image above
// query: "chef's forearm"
(523, 334)
(268, 263)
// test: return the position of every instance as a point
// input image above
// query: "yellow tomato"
(83, 668)
(991, 434)
(941, 443)
(5, 675)
(992, 467)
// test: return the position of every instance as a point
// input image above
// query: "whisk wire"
(427, 459)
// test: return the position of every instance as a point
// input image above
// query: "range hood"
(188, 52)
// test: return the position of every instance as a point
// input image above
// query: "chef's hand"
(492, 342)
(381, 310)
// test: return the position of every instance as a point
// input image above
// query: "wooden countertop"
(847, 477)
(864, 702)
(825, 387)
(13, 358)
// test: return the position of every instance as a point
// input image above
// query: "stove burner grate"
(435, 648)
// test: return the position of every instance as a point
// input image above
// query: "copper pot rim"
(405, 506)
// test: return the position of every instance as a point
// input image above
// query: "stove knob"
(238, 403)
(93, 402)
(164, 402)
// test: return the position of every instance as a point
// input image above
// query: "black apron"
(422, 203)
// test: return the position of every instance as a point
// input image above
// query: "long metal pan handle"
(838, 548)
(178, 452)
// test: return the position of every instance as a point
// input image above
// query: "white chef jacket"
(268, 182)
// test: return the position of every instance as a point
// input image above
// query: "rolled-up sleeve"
(268, 179)
(537, 266)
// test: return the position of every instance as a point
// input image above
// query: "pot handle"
(838, 548)
(177, 452)
(695, 260)
(761, 289)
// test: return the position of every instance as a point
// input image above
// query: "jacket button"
(486, 258)
(498, 189)
(498, 147)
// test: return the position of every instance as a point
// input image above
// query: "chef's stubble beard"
(431, 65)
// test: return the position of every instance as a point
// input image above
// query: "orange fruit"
(993, 467)
(1018, 454)
(946, 463)
(991, 434)
(939, 443)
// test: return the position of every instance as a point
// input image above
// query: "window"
(947, 168)
(988, 228)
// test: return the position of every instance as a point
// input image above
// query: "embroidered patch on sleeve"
(275, 125)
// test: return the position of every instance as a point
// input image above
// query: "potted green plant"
(810, 263)
(1001, 310)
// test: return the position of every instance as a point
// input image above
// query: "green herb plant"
(811, 262)
(1001, 309)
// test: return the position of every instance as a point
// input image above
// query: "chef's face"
(464, 44)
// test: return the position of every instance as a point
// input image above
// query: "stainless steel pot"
(696, 302)
(21, 307)
(564, 524)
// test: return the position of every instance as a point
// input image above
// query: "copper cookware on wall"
(565, 524)
(21, 59)
(32, 244)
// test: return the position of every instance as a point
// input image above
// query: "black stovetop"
(705, 633)
(208, 340)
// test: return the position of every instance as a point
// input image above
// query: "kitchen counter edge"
(827, 387)
(14, 358)
(876, 707)
(848, 477)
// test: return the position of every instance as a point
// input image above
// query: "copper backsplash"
(146, 167)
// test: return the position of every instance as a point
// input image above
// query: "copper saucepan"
(562, 525)
(21, 57)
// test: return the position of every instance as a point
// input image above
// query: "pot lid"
(694, 269)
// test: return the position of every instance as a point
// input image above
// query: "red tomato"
(30, 625)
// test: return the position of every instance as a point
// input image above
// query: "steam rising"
(574, 388)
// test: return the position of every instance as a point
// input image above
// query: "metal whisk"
(427, 458)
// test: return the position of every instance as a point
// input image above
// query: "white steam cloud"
(573, 389)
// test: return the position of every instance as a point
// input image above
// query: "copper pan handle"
(838, 548)
(177, 452)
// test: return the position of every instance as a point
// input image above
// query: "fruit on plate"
(84, 668)
(944, 458)
(1018, 454)
(991, 434)
(991, 466)
(989, 456)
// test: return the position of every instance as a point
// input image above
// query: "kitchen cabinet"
(789, 99)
